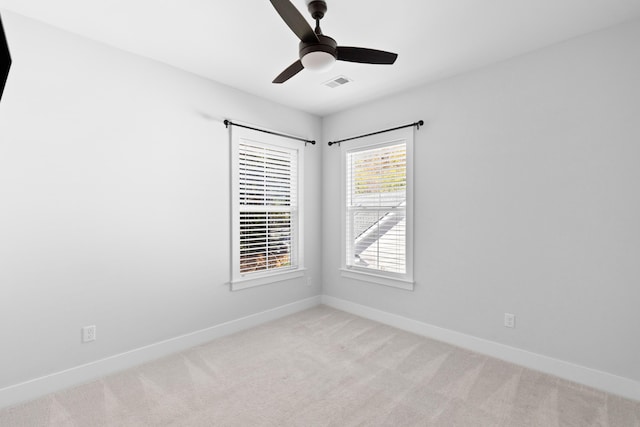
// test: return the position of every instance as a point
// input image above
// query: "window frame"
(397, 280)
(246, 280)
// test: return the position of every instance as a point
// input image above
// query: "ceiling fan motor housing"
(327, 44)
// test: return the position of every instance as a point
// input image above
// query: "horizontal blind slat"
(376, 195)
(267, 194)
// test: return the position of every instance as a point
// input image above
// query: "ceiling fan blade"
(294, 19)
(5, 59)
(367, 56)
(291, 71)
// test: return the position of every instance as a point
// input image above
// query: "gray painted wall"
(114, 202)
(526, 201)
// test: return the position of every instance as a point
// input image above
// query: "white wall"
(114, 197)
(114, 202)
(526, 202)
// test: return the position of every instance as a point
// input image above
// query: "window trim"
(248, 280)
(397, 280)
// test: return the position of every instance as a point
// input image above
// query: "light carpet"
(324, 367)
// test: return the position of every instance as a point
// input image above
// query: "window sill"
(265, 279)
(379, 279)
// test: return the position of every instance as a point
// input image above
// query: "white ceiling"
(245, 44)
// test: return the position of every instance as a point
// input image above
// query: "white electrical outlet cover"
(509, 320)
(89, 333)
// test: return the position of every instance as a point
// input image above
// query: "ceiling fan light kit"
(319, 56)
(318, 61)
(318, 52)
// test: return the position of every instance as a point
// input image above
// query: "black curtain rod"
(228, 123)
(416, 124)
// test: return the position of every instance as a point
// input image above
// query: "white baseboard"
(37, 387)
(610, 383)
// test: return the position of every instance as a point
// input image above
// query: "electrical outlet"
(89, 333)
(509, 320)
(308, 281)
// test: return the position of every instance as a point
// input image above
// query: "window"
(265, 209)
(378, 208)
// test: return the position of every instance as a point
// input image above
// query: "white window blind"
(376, 208)
(267, 200)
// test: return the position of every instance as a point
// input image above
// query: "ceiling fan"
(317, 51)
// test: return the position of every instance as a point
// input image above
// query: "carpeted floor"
(324, 367)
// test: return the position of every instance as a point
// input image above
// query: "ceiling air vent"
(337, 81)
